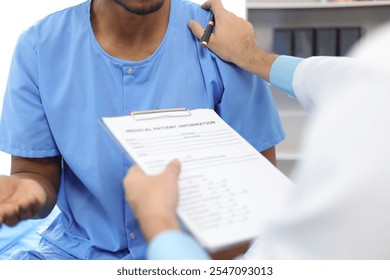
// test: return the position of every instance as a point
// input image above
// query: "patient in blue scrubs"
(108, 58)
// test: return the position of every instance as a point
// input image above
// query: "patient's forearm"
(270, 154)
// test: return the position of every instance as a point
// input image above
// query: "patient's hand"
(20, 199)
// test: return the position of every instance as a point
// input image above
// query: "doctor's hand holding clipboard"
(341, 192)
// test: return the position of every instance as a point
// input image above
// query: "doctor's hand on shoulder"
(234, 40)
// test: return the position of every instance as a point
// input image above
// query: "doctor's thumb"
(196, 28)
(173, 168)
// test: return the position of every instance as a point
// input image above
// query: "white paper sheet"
(227, 188)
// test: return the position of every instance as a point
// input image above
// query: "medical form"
(225, 184)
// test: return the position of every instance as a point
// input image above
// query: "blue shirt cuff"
(282, 73)
(175, 245)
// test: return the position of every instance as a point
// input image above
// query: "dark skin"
(31, 189)
(126, 35)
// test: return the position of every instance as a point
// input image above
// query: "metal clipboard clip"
(160, 113)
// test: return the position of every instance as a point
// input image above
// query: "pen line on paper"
(171, 147)
(174, 141)
(181, 136)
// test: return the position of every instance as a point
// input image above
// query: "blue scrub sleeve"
(175, 245)
(247, 105)
(24, 128)
(282, 73)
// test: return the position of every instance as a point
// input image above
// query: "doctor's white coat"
(339, 207)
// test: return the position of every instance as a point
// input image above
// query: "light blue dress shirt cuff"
(282, 73)
(175, 245)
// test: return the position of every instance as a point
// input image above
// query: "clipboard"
(160, 113)
(227, 188)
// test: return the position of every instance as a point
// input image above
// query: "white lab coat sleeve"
(313, 73)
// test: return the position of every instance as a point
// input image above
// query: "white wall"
(236, 6)
(15, 16)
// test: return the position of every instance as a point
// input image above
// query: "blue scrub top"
(62, 82)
